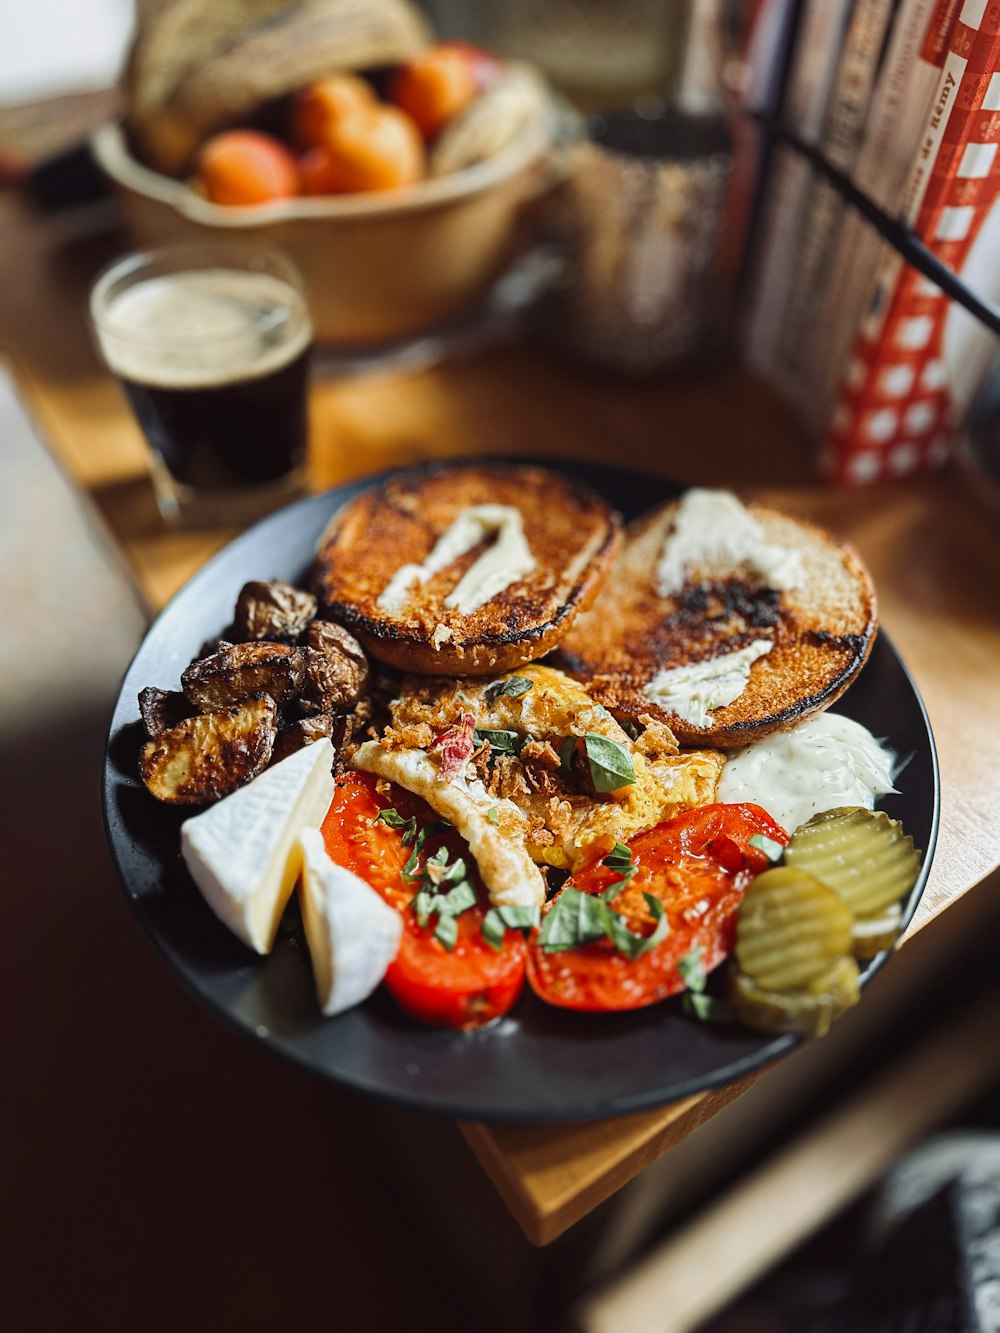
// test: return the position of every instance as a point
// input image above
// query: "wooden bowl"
(377, 267)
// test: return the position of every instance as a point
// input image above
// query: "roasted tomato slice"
(698, 866)
(466, 987)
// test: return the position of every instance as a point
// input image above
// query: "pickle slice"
(791, 929)
(807, 1012)
(872, 934)
(863, 854)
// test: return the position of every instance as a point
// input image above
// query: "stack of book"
(903, 98)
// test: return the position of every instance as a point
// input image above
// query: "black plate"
(537, 1064)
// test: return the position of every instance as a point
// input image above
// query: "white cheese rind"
(714, 528)
(511, 877)
(506, 561)
(693, 691)
(827, 761)
(352, 933)
(243, 852)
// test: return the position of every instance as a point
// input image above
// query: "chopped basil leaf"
(631, 730)
(518, 918)
(707, 1008)
(574, 919)
(610, 765)
(409, 826)
(566, 752)
(634, 946)
(493, 817)
(619, 859)
(494, 929)
(499, 740)
(410, 872)
(692, 970)
(498, 920)
(513, 687)
(446, 931)
(457, 900)
(392, 817)
(774, 851)
(423, 905)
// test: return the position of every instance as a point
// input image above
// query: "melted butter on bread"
(504, 562)
(694, 691)
(714, 527)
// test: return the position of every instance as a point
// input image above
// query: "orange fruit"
(440, 83)
(319, 104)
(375, 148)
(240, 167)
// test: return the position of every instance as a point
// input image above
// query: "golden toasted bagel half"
(768, 621)
(464, 570)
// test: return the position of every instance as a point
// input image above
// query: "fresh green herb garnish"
(631, 729)
(576, 919)
(706, 1008)
(697, 1003)
(692, 969)
(392, 817)
(499, 740)
(492, 816)
(499, 920)
(438, 875)
(774, 851)
(626, 941)
(610, 765)
(513, 687)
(566, 752)
(446, 931)
(619, 859)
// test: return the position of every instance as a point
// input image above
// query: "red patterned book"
(918, 360)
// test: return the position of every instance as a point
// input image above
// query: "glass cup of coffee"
(211, 344)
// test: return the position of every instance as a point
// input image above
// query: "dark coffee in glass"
(213, 355)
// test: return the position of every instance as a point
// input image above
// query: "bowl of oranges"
(399, 192)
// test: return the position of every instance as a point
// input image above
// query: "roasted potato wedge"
(336, 669)
(272, 610)
(209, 756)
(308, 729)
(162, 709)
(241, 671)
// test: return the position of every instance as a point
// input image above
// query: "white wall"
(53, 46)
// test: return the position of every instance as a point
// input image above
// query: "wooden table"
(933, 554)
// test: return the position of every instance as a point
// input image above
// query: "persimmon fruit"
(243, 167)
(320, 104)
(439, 84)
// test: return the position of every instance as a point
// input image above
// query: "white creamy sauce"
(693, 691)
(713, 527)
(826, 762)
(503, 563)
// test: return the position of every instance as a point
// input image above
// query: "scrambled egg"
(534, 771)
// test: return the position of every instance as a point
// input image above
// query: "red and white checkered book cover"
(918, 359)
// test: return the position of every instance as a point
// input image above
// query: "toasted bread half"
(571, 534)
(819, 631)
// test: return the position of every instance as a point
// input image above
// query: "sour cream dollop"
(828, 761)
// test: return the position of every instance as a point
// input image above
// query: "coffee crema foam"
(204, 327)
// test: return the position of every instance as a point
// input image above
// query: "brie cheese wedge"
(353, 934)
(243, 852)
